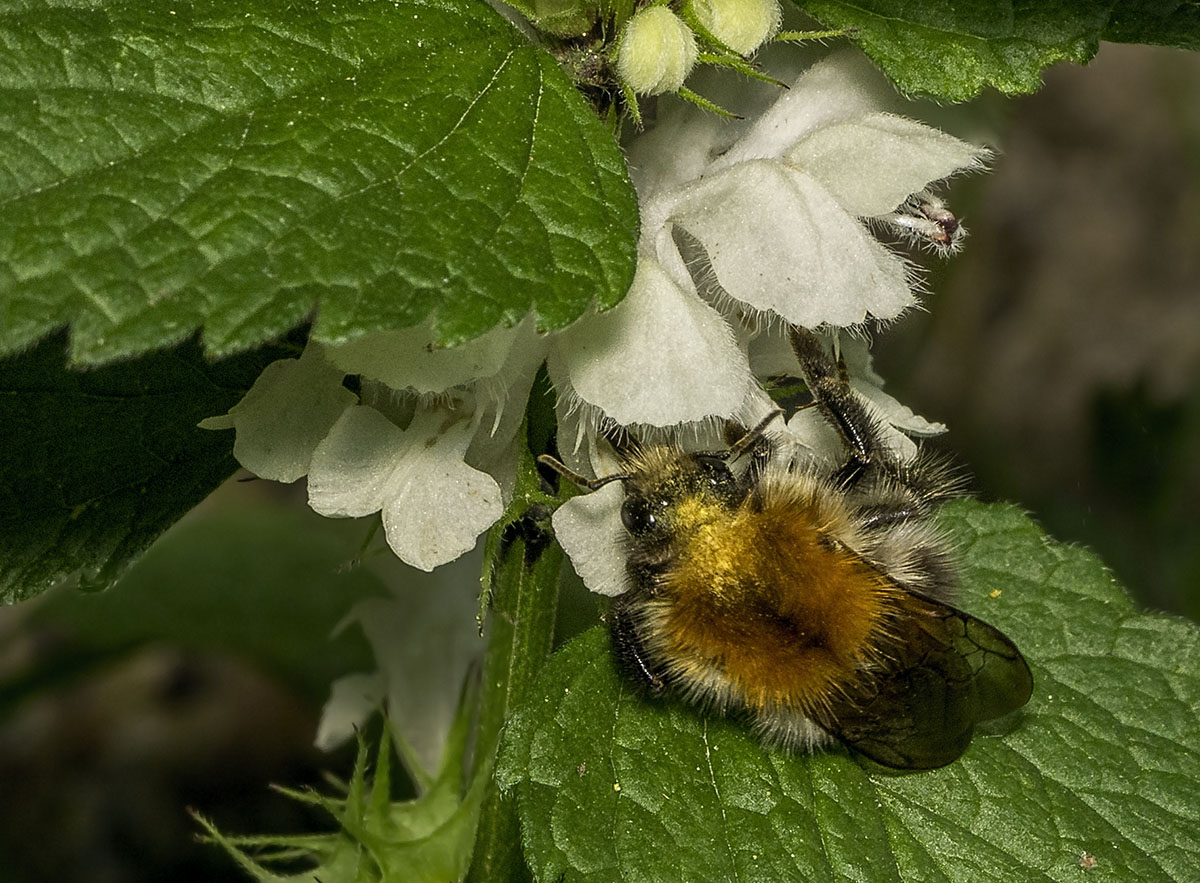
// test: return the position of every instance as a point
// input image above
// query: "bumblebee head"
(660, 482)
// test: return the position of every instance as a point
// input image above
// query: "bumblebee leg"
(760, 456)
(752, 444)
(833, 396)
(881, 517)
(631, 654)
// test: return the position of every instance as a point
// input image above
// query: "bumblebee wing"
(944, 672)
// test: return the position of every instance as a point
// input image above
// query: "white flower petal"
(778, 241)
(865, 381)
(677, 148)
(589, 529)
(872, 164)
(351, 467)
(500, 402)
(856, 353)
(810, 431)
(220, 421)
(285, 415)
(408, 358)
(662, 356)
(497, 455)
(352, 700)
(435, 506)
(843, 86)
(579, 446)
(424, 638)
(893, 412)
(501, 398)
(771, 355)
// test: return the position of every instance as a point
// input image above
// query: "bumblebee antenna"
(751, 438)
(590, 483)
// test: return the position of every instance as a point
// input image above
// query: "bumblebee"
(814, 600)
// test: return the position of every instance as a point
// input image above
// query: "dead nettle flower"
(774, 216)
(776, 228)
(431, 441)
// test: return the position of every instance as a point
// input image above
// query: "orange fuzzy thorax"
(765, 597)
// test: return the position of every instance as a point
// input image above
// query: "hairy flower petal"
(872, 164)
(778, 241)
(408, 359)
(283, 417)
(893, 412)
(843, 86)
(674, 151)
(662, 356)
(589, 529)
(434, 505)
(351, 466)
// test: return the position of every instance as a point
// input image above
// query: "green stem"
(522, 631)
(521, 579)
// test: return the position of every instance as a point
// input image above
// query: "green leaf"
(952, 50)
(1105, 758)
(176, 165)
(1161, 22)
(95, 465)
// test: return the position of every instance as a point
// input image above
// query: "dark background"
(1062, 346)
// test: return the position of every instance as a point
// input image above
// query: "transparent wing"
(945, 671)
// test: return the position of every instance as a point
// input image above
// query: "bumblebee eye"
(637, 515)
(713, 473)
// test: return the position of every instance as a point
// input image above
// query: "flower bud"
(742, 25)
(657, 52)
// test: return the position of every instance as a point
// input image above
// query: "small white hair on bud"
(657, 52)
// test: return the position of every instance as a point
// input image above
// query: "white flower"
(780, 244)
(432, 444)
(424, 638)
(776, 221)
(434, 505)
(780, 214)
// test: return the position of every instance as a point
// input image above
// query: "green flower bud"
(742, 25)
(657, 52)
